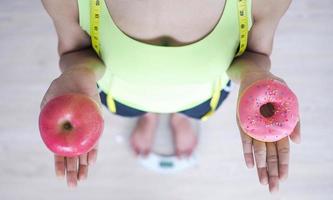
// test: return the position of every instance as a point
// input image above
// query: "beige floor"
(303, 56)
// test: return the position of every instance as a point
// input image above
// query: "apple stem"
(67, 126)
(267, 110)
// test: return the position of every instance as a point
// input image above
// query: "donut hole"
(267, 110)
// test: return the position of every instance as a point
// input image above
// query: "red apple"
(71, 124)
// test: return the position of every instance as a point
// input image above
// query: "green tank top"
(164, 79)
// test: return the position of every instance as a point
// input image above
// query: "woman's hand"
(79, 80)
(271, 158)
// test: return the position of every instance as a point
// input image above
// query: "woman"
(151, 57)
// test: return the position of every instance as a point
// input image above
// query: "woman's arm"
(84, 59)
(81, 68)
(266, 16)
(74, 44)
(272, 159)
(249, 62)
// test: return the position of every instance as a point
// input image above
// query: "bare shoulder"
(65, 17)
(266, 17)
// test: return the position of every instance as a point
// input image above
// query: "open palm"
(77, 81)
(271, 158)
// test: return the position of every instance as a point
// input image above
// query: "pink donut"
(268, 110)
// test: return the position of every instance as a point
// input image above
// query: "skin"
(81, 67)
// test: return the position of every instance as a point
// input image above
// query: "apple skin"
(71, 124)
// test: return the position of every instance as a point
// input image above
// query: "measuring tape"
(95, 10)
(243, 26)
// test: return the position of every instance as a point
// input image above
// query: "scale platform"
(162, 159)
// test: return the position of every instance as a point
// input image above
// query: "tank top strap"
(245, 23)
(214, 100)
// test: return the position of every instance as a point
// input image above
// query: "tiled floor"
(303, 56)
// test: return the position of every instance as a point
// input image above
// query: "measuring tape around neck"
(243, 26)
(95, 14)
(95, 10)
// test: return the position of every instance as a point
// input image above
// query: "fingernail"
(71, 185)
(264, 181)
(283, 178)
(274, 190)
(249, 165)
(60, 175)
(82, 177)
(92, 161)
(297, 141)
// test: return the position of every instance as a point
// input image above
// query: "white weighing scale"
(162, 159)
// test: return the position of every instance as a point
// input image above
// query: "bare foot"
(184, 135)
(142, 137)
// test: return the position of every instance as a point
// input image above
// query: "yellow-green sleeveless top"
(164, 79)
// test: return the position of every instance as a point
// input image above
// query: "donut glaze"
(280, 100)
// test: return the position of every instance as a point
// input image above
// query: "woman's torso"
(165, 57)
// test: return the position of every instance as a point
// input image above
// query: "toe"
(189, 152)
(179, 153)
(136, 150)
(146, 152)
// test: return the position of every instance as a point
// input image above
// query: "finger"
(59, 163)
(263, 176)
(273, 170)
(71, 173)
(295, 136)
(247, 147)
(92, 156)
(259, 149)
(83, 172)
(83, 159)
(83, 167)
(273, 184)
(283, 150)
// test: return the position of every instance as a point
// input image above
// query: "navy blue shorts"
(196, 112)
